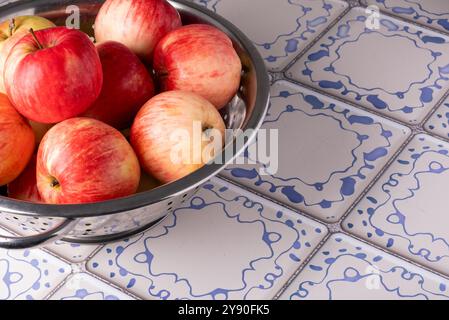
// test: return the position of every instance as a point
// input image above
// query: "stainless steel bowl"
(36, 224)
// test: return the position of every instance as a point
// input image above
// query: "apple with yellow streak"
(12, 30)
(83, 160)
(160, 118)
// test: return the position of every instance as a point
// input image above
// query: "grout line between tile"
(414, 130)
(302, 266)
(276, 202)
(282, 74)
(413, 127)
(412, 22)
(316, 39)
(113, 285)
(396, 255)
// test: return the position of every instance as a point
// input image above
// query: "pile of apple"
(67, 103)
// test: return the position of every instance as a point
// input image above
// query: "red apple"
(25, 187)
(166, 124)
(138, 24)
(200, 59)
(127, 85)
(11, 31)
(16, 142)
(84, 160)
(53, 76)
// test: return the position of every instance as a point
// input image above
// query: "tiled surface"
(406, 211)
(367, 66)
(29, 274)
(431, 13)
(230, 243)
(439, 121)
(82, 286)
(329, 152)
(71, 252)
(345, 268)
(288, 25)
(249, 249)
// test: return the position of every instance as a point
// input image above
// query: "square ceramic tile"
(345, 268)
(29, 274)
(406, 211)
(432, 13)
(82, 286)
(288, 25)
(439, 122)
(328, 152)
(72, 252)
(397, 69)
(226, 244)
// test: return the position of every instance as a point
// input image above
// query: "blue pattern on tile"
(365, 153)
(439, 122)
(291, 41)
(414, 10)
(347, 268)
(83, 294)
(83, 286)
(132, 261)
(26, 274)
(303, 31)
(373, 99)
(380, 213)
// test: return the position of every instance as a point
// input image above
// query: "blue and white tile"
(24, 226)
(226, 244)
(29, 274)
(328, 152)
(431, 13)
(73, 252)
(82, 286)
(288, 25)
(345, 268)
(439, 121)
(406, 211)
(395, 68)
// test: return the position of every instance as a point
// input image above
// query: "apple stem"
(35, 39)
(12, 26)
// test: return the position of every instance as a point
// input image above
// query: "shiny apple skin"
(11, 33)
(83, 160)
(138, 24)
(127, 85)
(58, 82)
(25, 187)
(157, 119)
(200, 59)
(16, 142)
